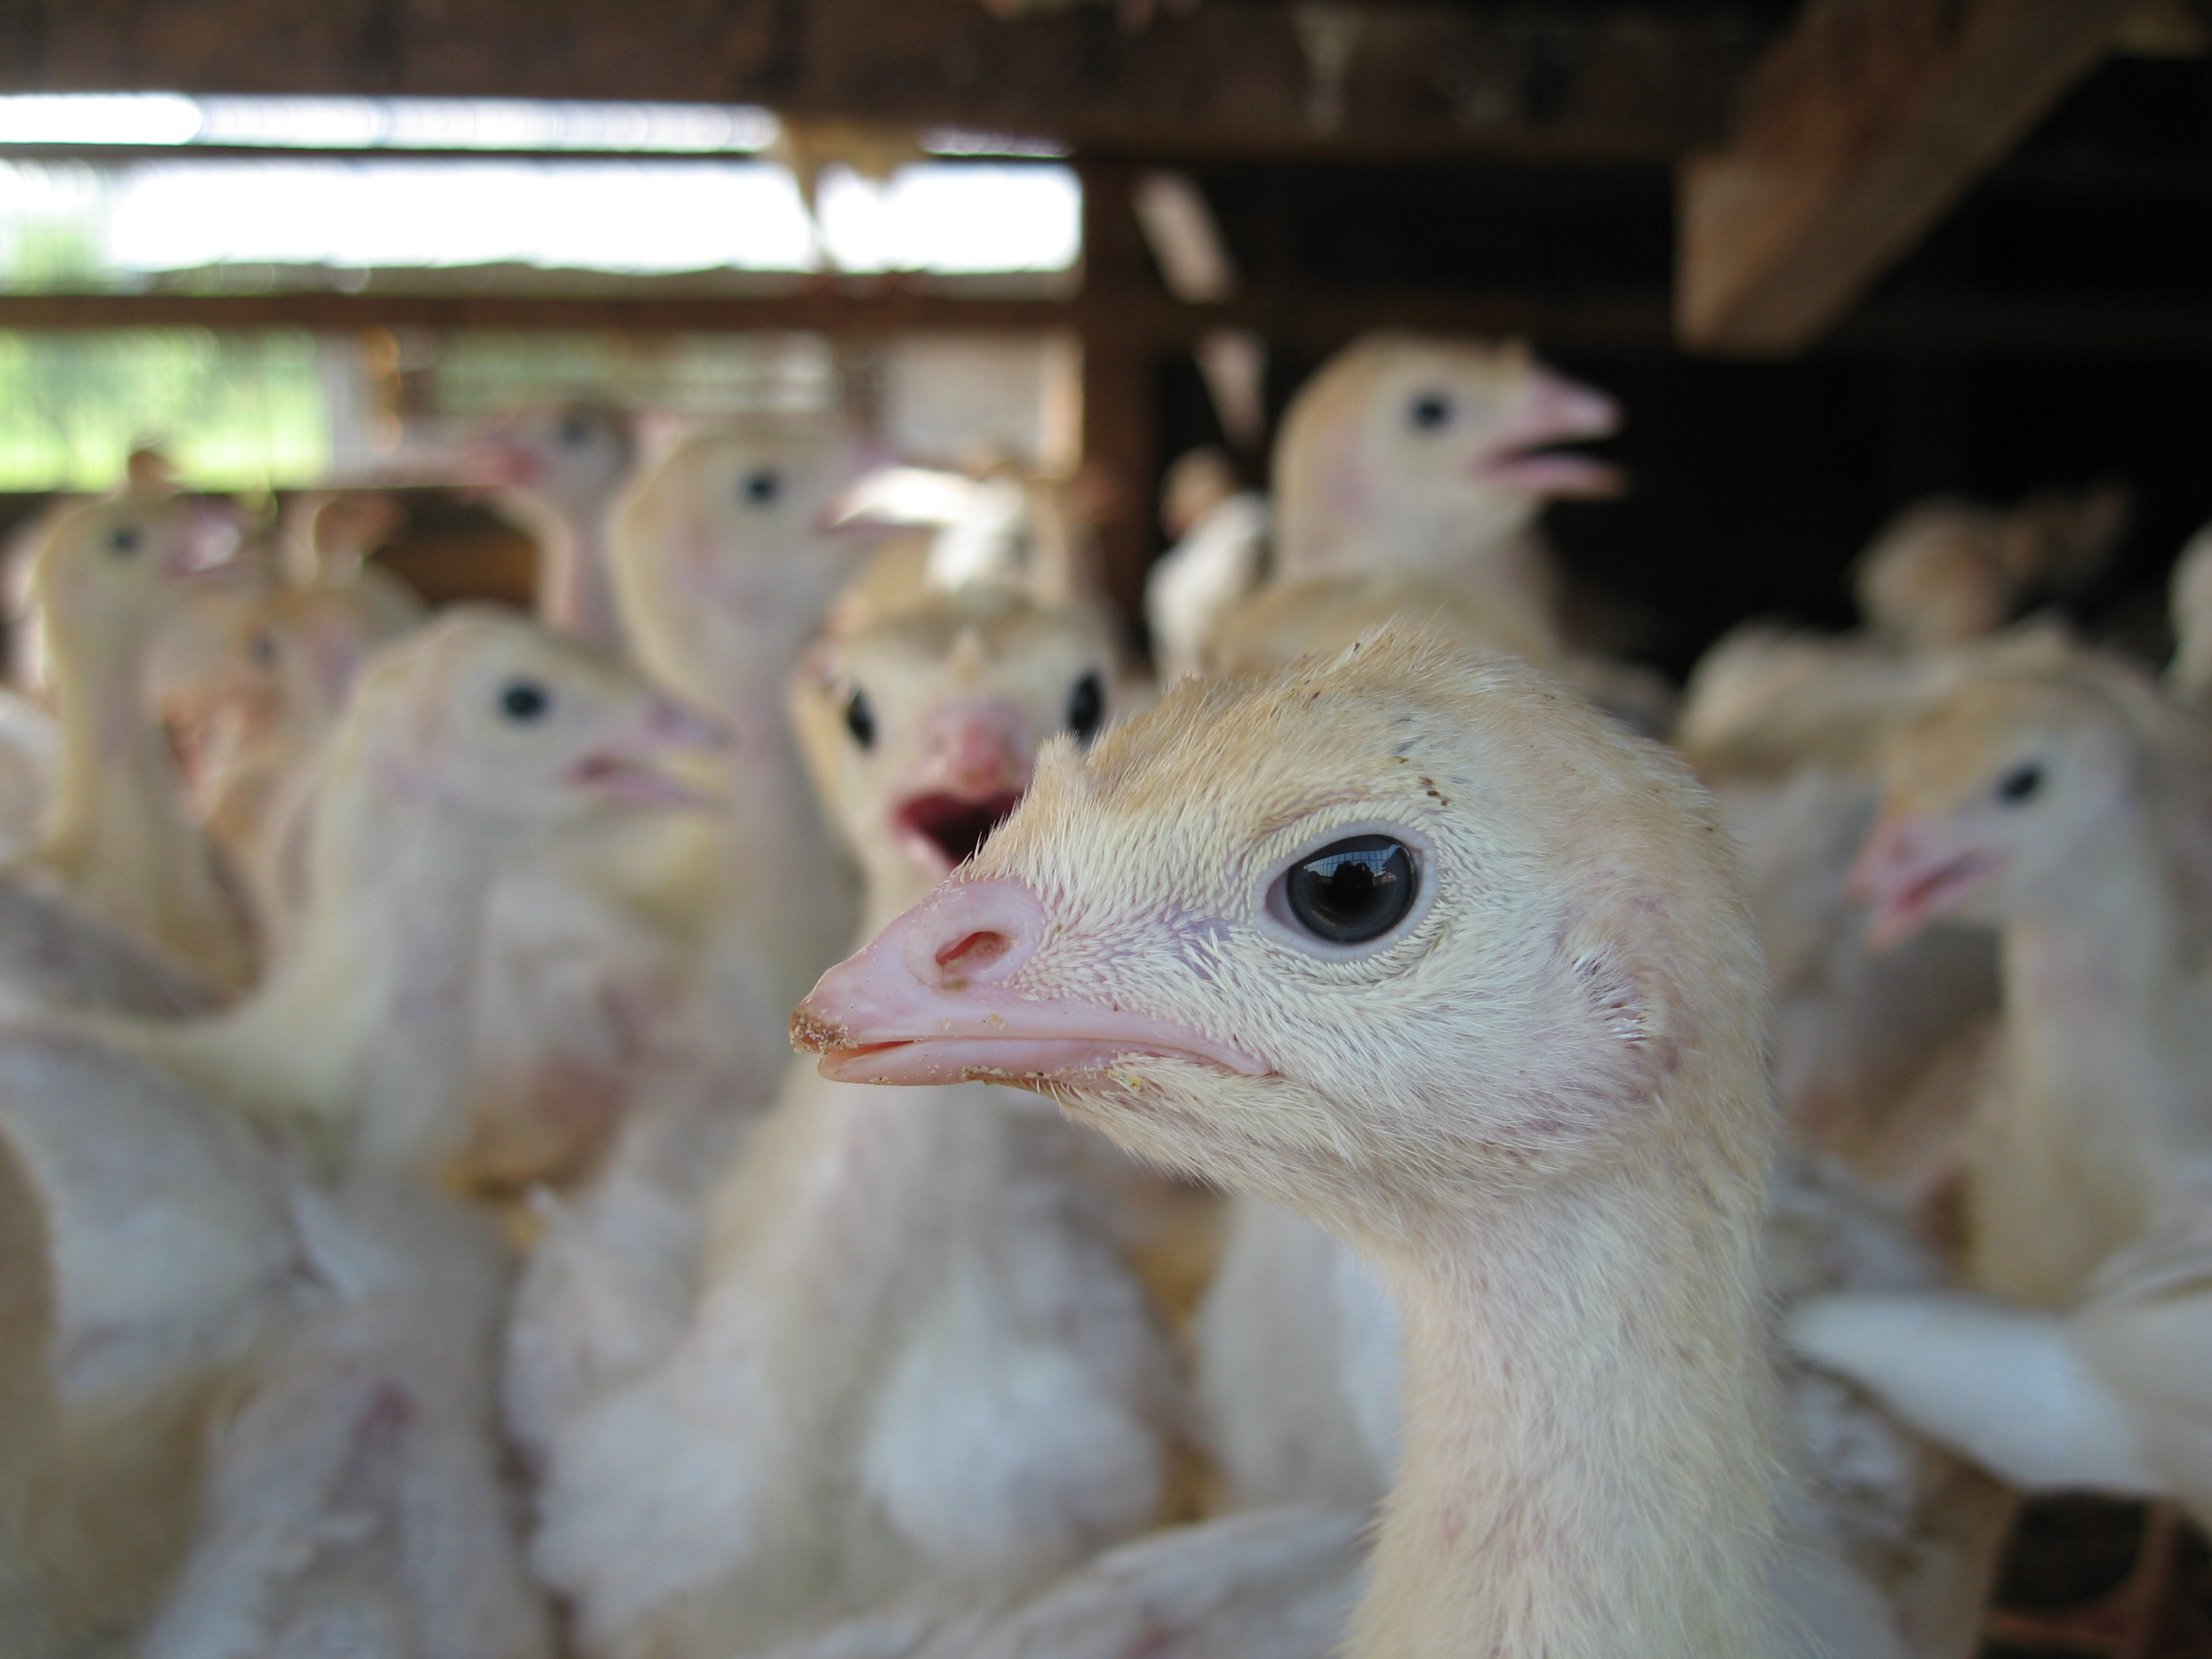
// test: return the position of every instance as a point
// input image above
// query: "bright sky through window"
(162, 118)
(638, 217)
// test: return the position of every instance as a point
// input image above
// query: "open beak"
(900, 496)
(934, 999)
(870, 498)
(941, 830)
(1555, 411)
(628, 770)
(974, 771)
(494, 461)
(1910, 872)
(208, 543)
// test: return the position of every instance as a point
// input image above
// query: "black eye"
(262, 648)
(1351, 890)
(2021, 784)
(1429, 411)
(524, 700)
(1086, 707)
(123, 540)
(860, 721)
(761, 488)
(575, 431)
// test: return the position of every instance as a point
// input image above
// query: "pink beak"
(973, 770)
(1911, 873)
(1554, 410)
(978, 749)
(625, 771)
(837, 518)
(494, 460)
(933, 999)
(209, 540)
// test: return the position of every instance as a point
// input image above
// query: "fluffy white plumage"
(1221, 560)
(723, 564)
(2108, 1394)
(2189, 676)
(30, 763)
(467, 748)
(1272, 1583)
(897, 1352)
(2061, 801)
(168, 1259)
(345, 1346)
(2061, 797)
(118, 837)
(355, 1502)
(1434, 1100)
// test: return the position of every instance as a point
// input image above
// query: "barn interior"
(2005, 299)
(1833, 257)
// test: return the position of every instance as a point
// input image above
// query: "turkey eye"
(1086, 707)
(576, 430)
(860, 721)
(2021, 784)
(1351, 890)
(761, 488)
(1429, 411)
(524, 700)
(123, 540)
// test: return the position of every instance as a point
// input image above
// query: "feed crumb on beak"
(812, 1035)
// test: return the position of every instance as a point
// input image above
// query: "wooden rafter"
(1309, 324)
(1225, 77)
(1142, 318)
(1855, 133)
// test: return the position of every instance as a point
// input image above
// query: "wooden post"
(1120, 420)
(1853, 136)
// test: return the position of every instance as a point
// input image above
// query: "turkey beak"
(629, 769)
(494, 461)
(878, 494)
(939, 997)
(1911, 872)
(1555, 410)
(207, 545)
(974, 771)
(1560, 408)
(891, 497)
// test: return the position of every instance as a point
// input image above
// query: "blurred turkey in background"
(503, 591)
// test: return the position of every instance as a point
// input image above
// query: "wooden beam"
(1121, 383)
(1135, 317)
(1310, 324)
(864, 306)
(1604, 78)
(1853, 136)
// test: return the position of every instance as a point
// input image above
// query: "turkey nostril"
(973, 951)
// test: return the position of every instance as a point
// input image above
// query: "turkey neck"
(362, 1027)
(2103, 1042)
(1333, 518)
(120, 791)
(784, 877)
(575, 591)
(1588, 1448)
